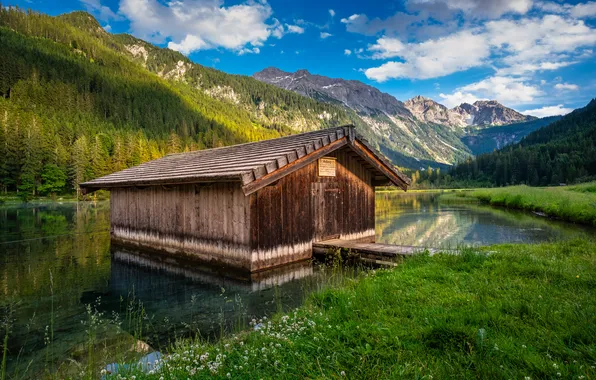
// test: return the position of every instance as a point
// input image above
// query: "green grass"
(589, 187)
(506, 312)
(574, 203)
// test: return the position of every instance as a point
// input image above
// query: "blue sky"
(534, 56)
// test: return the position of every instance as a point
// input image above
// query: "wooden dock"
(369, 250)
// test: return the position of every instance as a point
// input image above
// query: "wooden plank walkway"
(371, 250)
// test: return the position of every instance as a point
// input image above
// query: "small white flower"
(342, 373)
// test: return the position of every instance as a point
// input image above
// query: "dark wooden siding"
(209, 221)
(283, 215)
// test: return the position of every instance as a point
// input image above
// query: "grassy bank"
(14, 198)
(509, 311)
(572, 203)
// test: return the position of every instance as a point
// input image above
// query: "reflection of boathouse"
(252, 206)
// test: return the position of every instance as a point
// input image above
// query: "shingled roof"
(255, 165)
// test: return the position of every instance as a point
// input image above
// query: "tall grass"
(575, 204)
(505, 312)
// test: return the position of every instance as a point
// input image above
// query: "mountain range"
(419, 127)
(77, 102)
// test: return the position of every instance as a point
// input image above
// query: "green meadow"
(501, 312)
(571, 203)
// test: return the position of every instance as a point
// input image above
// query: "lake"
(73, 296)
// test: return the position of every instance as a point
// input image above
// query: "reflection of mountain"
(422, 220)
(438, 229)
(416, 220)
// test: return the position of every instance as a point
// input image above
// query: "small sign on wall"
(327, 166)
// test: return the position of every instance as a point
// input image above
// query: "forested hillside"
(494, 138)
(562, 152)
(77, 103)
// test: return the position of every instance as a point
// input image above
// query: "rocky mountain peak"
(489, 112)
(428, 110)
(352, 94)
(481, 113)
(301, 72)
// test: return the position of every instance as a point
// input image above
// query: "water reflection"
(422, 219)
(57, 269)
(56, 261)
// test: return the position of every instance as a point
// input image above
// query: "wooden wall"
(210, 222)
(283, 214)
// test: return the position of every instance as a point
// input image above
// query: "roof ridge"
(261, 141)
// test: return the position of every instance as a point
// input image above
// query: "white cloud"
(189, 44)
(102, 12)
(507, 90)
(582, 10)
(548, 39)
(513, 47)
(243, 51)
(347, 52)
(331, 12)
(523, 68)
(473, 8)
(294, 29)
(278, 30)
(566, 87)
(504, 89)
(457, 98)
(107, 28)
(325, 35)
(201, 24)
(434, 18)
(548, 111)
(429, 59)
(350, 19)
(398, 23)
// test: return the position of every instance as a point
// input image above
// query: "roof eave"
(91, 186)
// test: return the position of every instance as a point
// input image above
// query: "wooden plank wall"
(283, 225)
(210, 221)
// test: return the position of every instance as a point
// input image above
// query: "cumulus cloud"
(559, 109)
(243, 51)
(551, 38)
(508, 90)
(278, 30)
(457, 98)
(433, 18)
(582, 10)
(513, 47)
(429, 59)
(325, 35)
(192, 25)
(567, 86)
(472, 8)
(294, 29)
(396, 24)
(347, 52)
(102, 12)
(331, 12)
(522, 68)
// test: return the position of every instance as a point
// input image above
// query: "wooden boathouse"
(251, 206)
